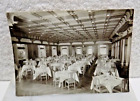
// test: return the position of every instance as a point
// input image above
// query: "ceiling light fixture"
(108, 14)
(89, 11)
(76, 19)
(29, 20)
(106, 24)
(72, 14)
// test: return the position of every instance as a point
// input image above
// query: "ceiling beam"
(108, 16)
(85, 40)
(37, 15)
(117, 24)
(75, 17)
(79, 22)
(62, 21)
(92, 19)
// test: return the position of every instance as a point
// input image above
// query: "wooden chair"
(122, 87)
(70, 82)
(44, 75)
(82, 70)
(55, 80)
(28, 73)
(97, 87)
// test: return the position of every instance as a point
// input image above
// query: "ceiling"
(64, 26)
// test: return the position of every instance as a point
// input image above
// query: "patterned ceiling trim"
(62, 26)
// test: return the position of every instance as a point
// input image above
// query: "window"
(64, 50)
(54, 50)
(41, 51)
(103, 49)
(78, 50)
(89, 50)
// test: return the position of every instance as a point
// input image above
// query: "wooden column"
(82, 48)
(112, 50)
(58, 49)
(123, 52)
(50, 49)
(115, 49)
(70, 49)
(118, 50)
(128, 51)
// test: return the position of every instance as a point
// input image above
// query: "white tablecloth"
(63, 75)
(41, 70)
(57, 65)
(24, 68)
(115, 60)
(105, 68)
(108, 81)
(78, 66)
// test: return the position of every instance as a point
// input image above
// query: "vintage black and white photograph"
(71, 51)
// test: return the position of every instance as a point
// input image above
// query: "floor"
(29, 87)
(7, 92)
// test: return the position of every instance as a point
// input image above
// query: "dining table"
(41, 70)
(79, 66)
(105, 68)
(64, 75)
(108, 81)
(25, 68)
(57, 65)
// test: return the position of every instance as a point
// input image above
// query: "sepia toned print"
(71, 52)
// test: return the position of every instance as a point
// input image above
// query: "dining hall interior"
(71, 51)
